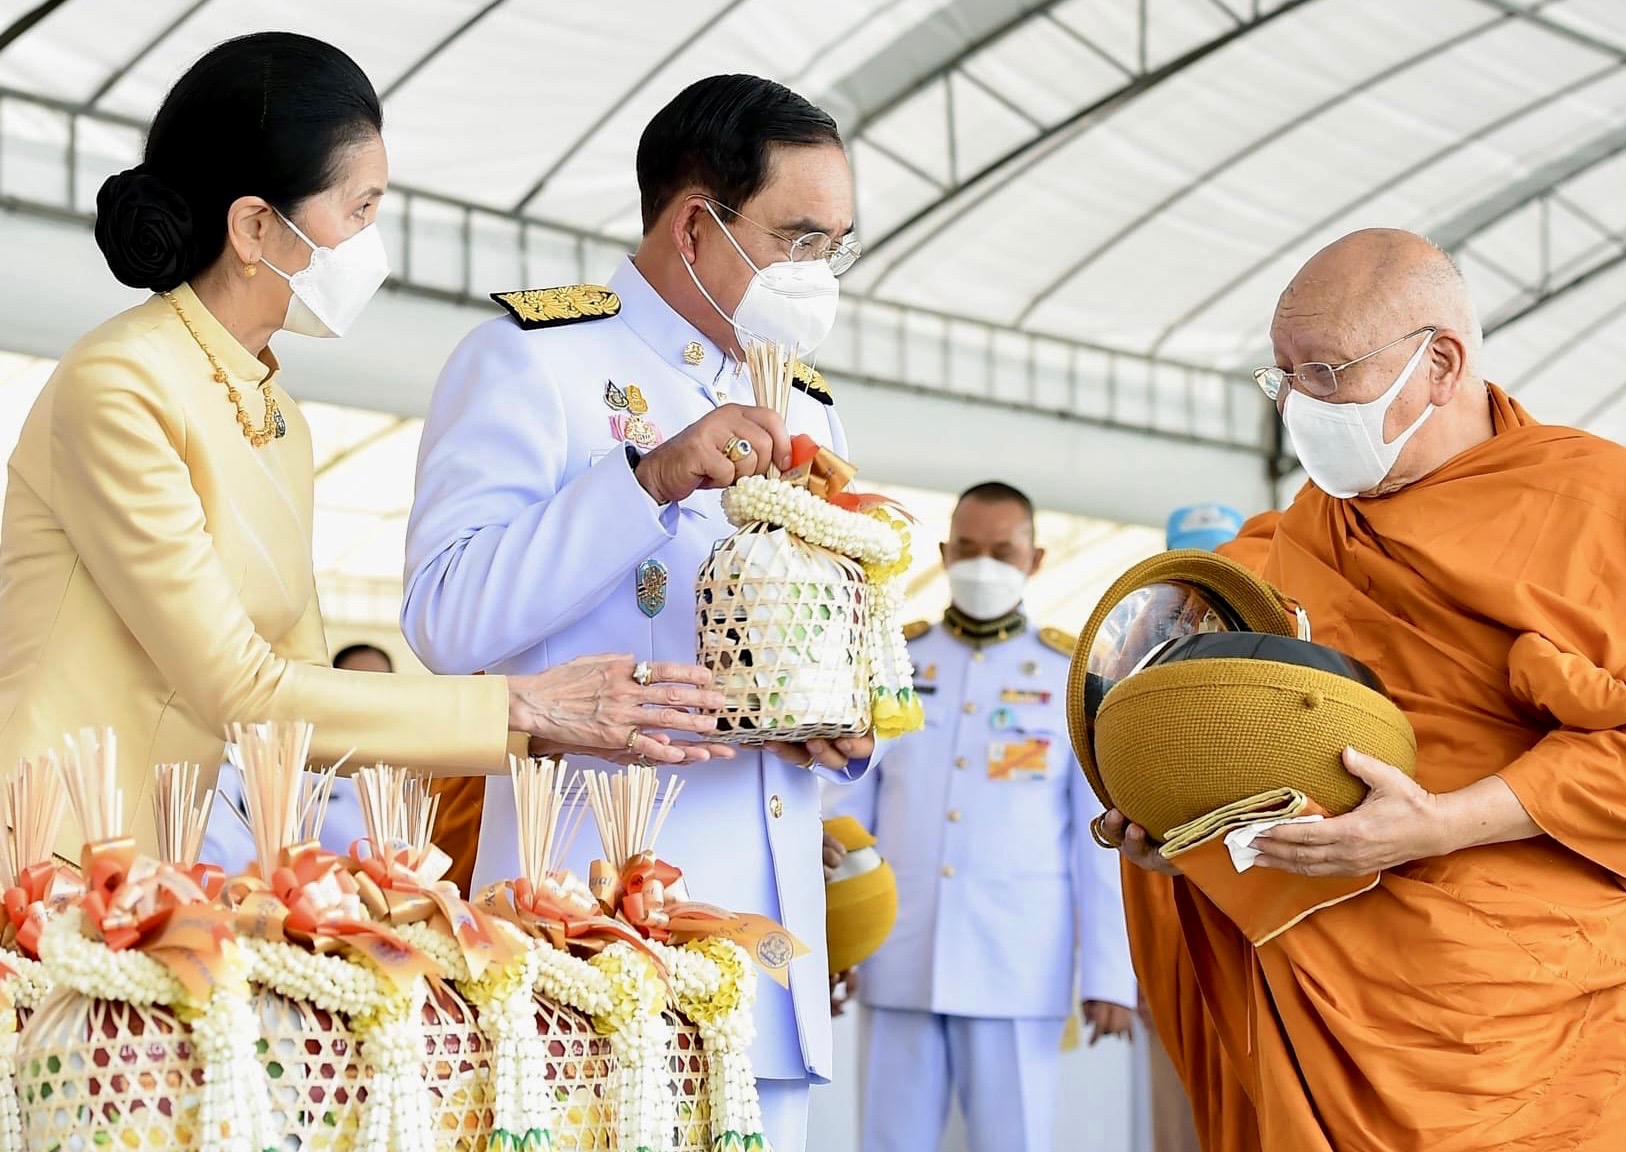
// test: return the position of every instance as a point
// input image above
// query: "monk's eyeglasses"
(1317, 379)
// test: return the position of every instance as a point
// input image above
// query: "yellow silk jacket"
(156, 576)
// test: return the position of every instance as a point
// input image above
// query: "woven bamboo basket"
(103, 1073)
(457, 1070)
(578, 1075)
(781, 627)
(690, 1075)
(314, 1071)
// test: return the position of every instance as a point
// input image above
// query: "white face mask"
(985, 588)
(790, 303)
(331, 291)
(1341, 445)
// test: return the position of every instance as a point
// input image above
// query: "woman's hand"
(593, 705)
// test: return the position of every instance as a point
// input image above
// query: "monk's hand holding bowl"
(1397, 823)
(1133, 842)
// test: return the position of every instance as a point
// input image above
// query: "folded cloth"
(1239, 841)
(1262, 902)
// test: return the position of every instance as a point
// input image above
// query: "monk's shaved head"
(1358, 299)
(1371, 287)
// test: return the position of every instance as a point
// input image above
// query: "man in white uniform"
(567, 497)
(1007, 913)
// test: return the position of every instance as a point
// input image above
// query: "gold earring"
(250, 271)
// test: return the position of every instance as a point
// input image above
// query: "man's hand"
(833, 754)
(699, 457)
(843, 987)
(1135, 845)
(1397, 823)
(1107, 1019)
(834, 853)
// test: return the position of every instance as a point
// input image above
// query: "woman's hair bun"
(144, 229)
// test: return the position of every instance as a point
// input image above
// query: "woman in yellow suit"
(155, 553)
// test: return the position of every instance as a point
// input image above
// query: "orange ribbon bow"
(826, 475)
(132, 901)
(40, 892)
(648, 893)
(399, 890)
(552, 915)
(313, 900)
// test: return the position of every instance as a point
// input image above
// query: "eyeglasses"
(1318, 379)
(839, 254)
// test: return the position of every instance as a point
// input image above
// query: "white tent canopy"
(1077, 214)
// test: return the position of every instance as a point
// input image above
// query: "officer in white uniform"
(567, 498)
(1008, 914)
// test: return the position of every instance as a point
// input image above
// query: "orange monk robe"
(1476, 1000)
(457, 827)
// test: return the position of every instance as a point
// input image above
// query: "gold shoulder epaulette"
(1057, 640)
(916, 630)
(811, 381)
(554, 307)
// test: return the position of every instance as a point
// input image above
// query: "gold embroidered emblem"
(694, 352)
(811, 381)
(552, 307)
(636, 404)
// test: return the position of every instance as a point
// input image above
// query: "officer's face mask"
(985, 588)
(331, 291)
(791, 303)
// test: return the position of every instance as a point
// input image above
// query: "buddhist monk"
(1476, 560)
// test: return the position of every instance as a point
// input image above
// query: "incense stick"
(179, 813)
(773, 373)
(31, 810)
(91, 772)
(543, 791)
(625, 810)
(272, 759)
(397, 809)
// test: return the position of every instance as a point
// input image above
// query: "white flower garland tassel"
(639, 1034)
(234, 1114)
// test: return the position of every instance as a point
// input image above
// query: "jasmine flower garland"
(24, 989)
(504, 999)
(30, 985)
(759, 500)
(235, 1112)
(639, 1034)
(388, 1023)
(716, 985)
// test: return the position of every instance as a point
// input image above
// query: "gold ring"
(737, 449)
(643, 673)
(632, 738)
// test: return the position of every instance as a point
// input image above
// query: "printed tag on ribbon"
(1024, 696)
(771, 945)
(1019, 759)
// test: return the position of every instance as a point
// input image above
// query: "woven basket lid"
(1169, 595)
(1213, 719)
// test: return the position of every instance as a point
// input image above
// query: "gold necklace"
(275, 427)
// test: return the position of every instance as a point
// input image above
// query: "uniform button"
(960, 763)
(722, 395)
(969, 708)
(954, 815)
(948, 871)
(978, 656)
(776, 806)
